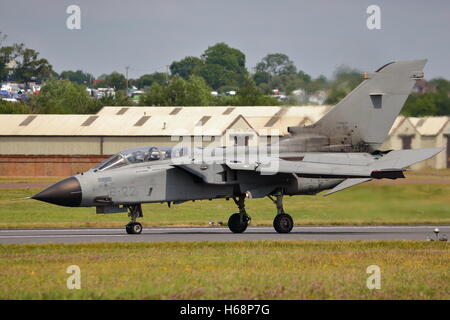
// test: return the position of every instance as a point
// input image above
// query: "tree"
(147, 80)
(420, 105)
(247, 95)
(250, 95)
(229, 58)
(116, 80)
(7, 55)
(319, 83)
(345, 80)
(223, 66)
(441, 84)
(276, 64)
(261, 77)
(304, 76)
(3, 37)
(63, 96)
(335, 95)
(78, 76)
(428, 104)
(277, 71)
(288, 82)
(7, 107)
(155, 96)
(217, 76)
(220, 65)
(26, 64)
(119, 99)
(186, 67)
(179, 92)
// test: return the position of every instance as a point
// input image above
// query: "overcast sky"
(149, 35)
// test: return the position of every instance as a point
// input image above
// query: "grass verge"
(237, 270)
(366, 204)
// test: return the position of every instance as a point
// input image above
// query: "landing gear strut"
(238, 222)
(134, 212)
(283, 222)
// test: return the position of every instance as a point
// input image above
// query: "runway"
(419, 233)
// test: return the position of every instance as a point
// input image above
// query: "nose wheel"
(134, 212)
(238, 222)
(133, 228)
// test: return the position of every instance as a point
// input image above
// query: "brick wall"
(48, 165)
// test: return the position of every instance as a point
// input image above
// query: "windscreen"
(115, 161)
(140, 155)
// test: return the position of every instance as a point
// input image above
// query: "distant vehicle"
(10, 99)
(337, 152)
(136, 95)
(280, 97)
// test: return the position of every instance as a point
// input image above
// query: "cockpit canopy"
(140, 155)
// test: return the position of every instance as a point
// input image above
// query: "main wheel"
(236, 225)
(133, 228)
(283, 223)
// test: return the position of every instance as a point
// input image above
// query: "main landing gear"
(238, 222)
(283, 222)
(134, 212)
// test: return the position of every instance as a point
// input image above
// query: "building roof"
(397, 123)
(167, 121)
(431, 126)
(160, 121)
(112, 125)
(246, 111)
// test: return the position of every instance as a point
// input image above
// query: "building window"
(241, 140)
(406, 142)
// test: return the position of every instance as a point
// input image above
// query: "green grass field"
(237, 270)
(234, 270)
(366, 204)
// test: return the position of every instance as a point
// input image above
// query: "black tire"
(236, 225)
(137, 228)
(283, 223)
(128, 229)
(134, 228)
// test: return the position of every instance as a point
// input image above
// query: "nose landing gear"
(134, 212)
(238, 222)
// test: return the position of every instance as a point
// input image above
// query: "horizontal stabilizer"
(404, 158)
(347, 183)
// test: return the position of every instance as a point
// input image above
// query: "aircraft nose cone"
(66, 193)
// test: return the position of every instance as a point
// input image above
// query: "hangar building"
(60, 145)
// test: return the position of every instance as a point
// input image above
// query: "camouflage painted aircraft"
(337, 152)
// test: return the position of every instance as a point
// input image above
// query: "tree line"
(220, 68)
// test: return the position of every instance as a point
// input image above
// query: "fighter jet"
(337, 152)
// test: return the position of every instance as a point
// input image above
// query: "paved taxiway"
(419, 233)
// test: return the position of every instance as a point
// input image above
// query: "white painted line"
(65, 236)
(220, 228)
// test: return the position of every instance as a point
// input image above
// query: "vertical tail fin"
(368, 112)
